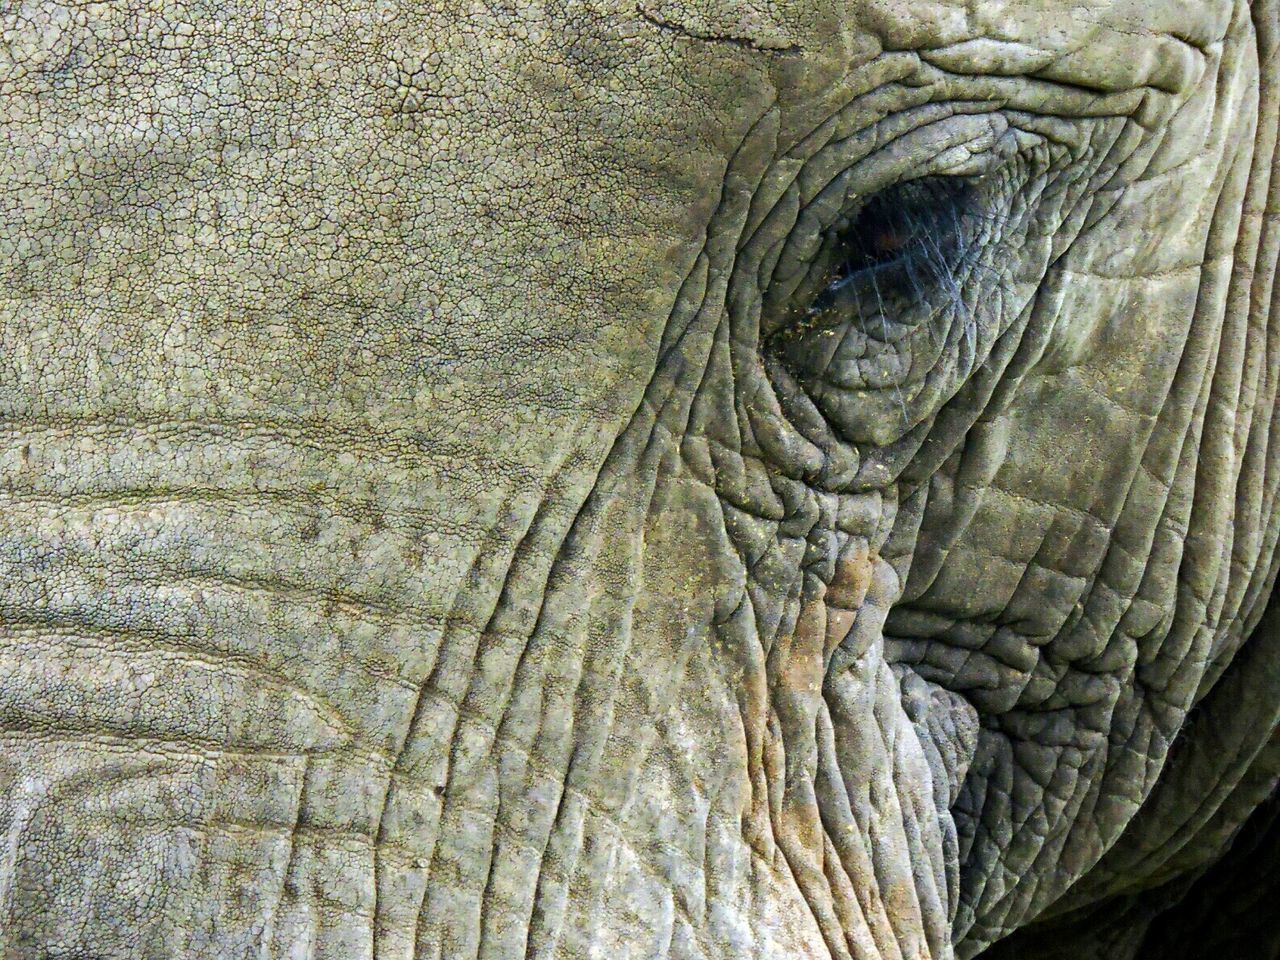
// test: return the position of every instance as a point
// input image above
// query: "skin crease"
(436, 525)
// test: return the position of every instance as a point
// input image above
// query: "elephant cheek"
(778, 757)
(859, 823)
(90, 858)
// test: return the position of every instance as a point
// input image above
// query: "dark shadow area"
(1231, 911)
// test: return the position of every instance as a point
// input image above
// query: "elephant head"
(668, 479)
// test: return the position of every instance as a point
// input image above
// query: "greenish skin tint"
(678, 480)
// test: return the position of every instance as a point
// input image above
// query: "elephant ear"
(1193, 873)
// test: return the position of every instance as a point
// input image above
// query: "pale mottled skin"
(433, 529)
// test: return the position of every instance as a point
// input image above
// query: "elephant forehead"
(378, 209)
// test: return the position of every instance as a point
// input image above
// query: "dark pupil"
(879, 234)
(909, 218)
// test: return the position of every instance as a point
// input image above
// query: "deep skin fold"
(429, 533)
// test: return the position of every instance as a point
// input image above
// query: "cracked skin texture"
(437, 522)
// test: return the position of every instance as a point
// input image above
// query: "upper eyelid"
(962, 146)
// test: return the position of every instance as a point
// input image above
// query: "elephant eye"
(911, 228)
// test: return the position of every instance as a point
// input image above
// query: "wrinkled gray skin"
(439, 523)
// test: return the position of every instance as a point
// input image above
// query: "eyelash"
(915, 224)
